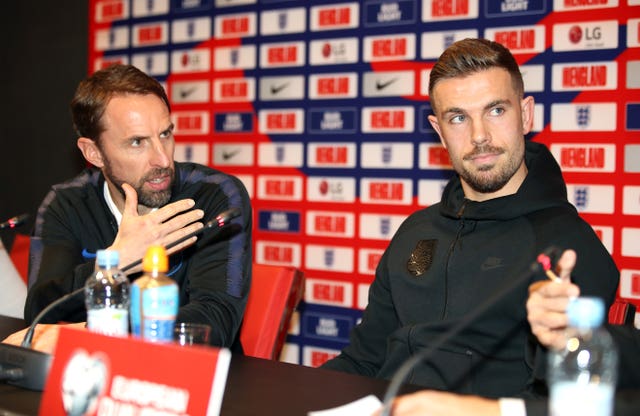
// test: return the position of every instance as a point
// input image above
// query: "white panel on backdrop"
(233, 154)
(334, 16)
(329, 258)
(334, 51)
(331, 155)
(280, 187)
(605, 234)
(289, 154)
(583, 116)
(153, 63)
(192, 152)
(234, 90)
(435, 10)
(191, 30)
(388, 83)
(111, 10)
(432, 44)
(585, 157)
(144, 8)
(230, 26)
(519, 39)
(234, 57)
(190, 92)
(398, 155)
(632, 158)
(585, 35)
(111, 39)
(533, 78)
(379, 226)
(282, 88)
(333, 86)
(191, 60)
(283, 21)
(593, 199)
(581, 76)
(400, 46)
(331, 189)
(631, 201)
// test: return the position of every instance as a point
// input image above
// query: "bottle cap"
(155, 259)
(586, 312)
(107, 258)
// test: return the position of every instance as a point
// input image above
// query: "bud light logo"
(581, 197)
(583, 115)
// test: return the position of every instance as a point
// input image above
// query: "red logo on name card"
(387, 119)
(372, 260)
(237, 26)
(330, 223)
(386, 191)
(281, 121)
(446, 8)
(582, 157)
(282, 54)
(438, 156)
(635, 283)
(332, 154)
(94, 374)
(110, 10)
(517, 39)
(149, 35)
(584, 76)
(328, 292)
(338, 16)
(385, 48)
(278, 254)
(333, 85)
(234, 89)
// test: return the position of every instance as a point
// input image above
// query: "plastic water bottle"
(107, 296)
(154, 299)
(582, 376)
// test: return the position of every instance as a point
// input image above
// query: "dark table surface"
(254, 386)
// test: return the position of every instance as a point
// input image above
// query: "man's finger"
(130, 200)
(566, 264)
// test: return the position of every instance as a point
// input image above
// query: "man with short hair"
(507, 203)
(134, 196)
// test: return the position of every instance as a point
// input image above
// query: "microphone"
(543, 263)
(14, 222)
(28, 368)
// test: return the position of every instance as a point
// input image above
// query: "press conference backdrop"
(320, 107)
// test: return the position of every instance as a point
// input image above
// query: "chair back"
(274, 295)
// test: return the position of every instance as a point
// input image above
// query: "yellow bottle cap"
(155, 259)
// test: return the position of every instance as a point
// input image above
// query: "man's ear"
(528, 106)
(436, 126)
(90, 151)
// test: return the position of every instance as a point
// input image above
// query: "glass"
(189, 333)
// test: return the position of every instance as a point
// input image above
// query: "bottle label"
(153, 312)
(108, 321)
(569, 398)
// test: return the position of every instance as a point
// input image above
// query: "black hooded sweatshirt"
(447, 259)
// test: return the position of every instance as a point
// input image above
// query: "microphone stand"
(542, 263)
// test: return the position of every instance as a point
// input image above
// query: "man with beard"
(134, 196)
(507, 203)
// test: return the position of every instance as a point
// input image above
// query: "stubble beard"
(483, 180)
(150, 199)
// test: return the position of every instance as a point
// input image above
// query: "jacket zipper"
(455, 241)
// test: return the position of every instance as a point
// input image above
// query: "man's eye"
(497, 111)
(135, 142)
(166, 134)
(457, 119)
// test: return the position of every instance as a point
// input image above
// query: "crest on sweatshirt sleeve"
(421, 257)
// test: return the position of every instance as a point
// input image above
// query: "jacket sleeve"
(366, 351)
(56, 266)
(218, 276)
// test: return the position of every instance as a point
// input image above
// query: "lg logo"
(576, 34)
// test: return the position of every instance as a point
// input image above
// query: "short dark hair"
(468, 56)
(94, 93)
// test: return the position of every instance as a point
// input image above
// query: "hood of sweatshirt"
(543, 188)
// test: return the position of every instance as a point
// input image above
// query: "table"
(254, 386)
